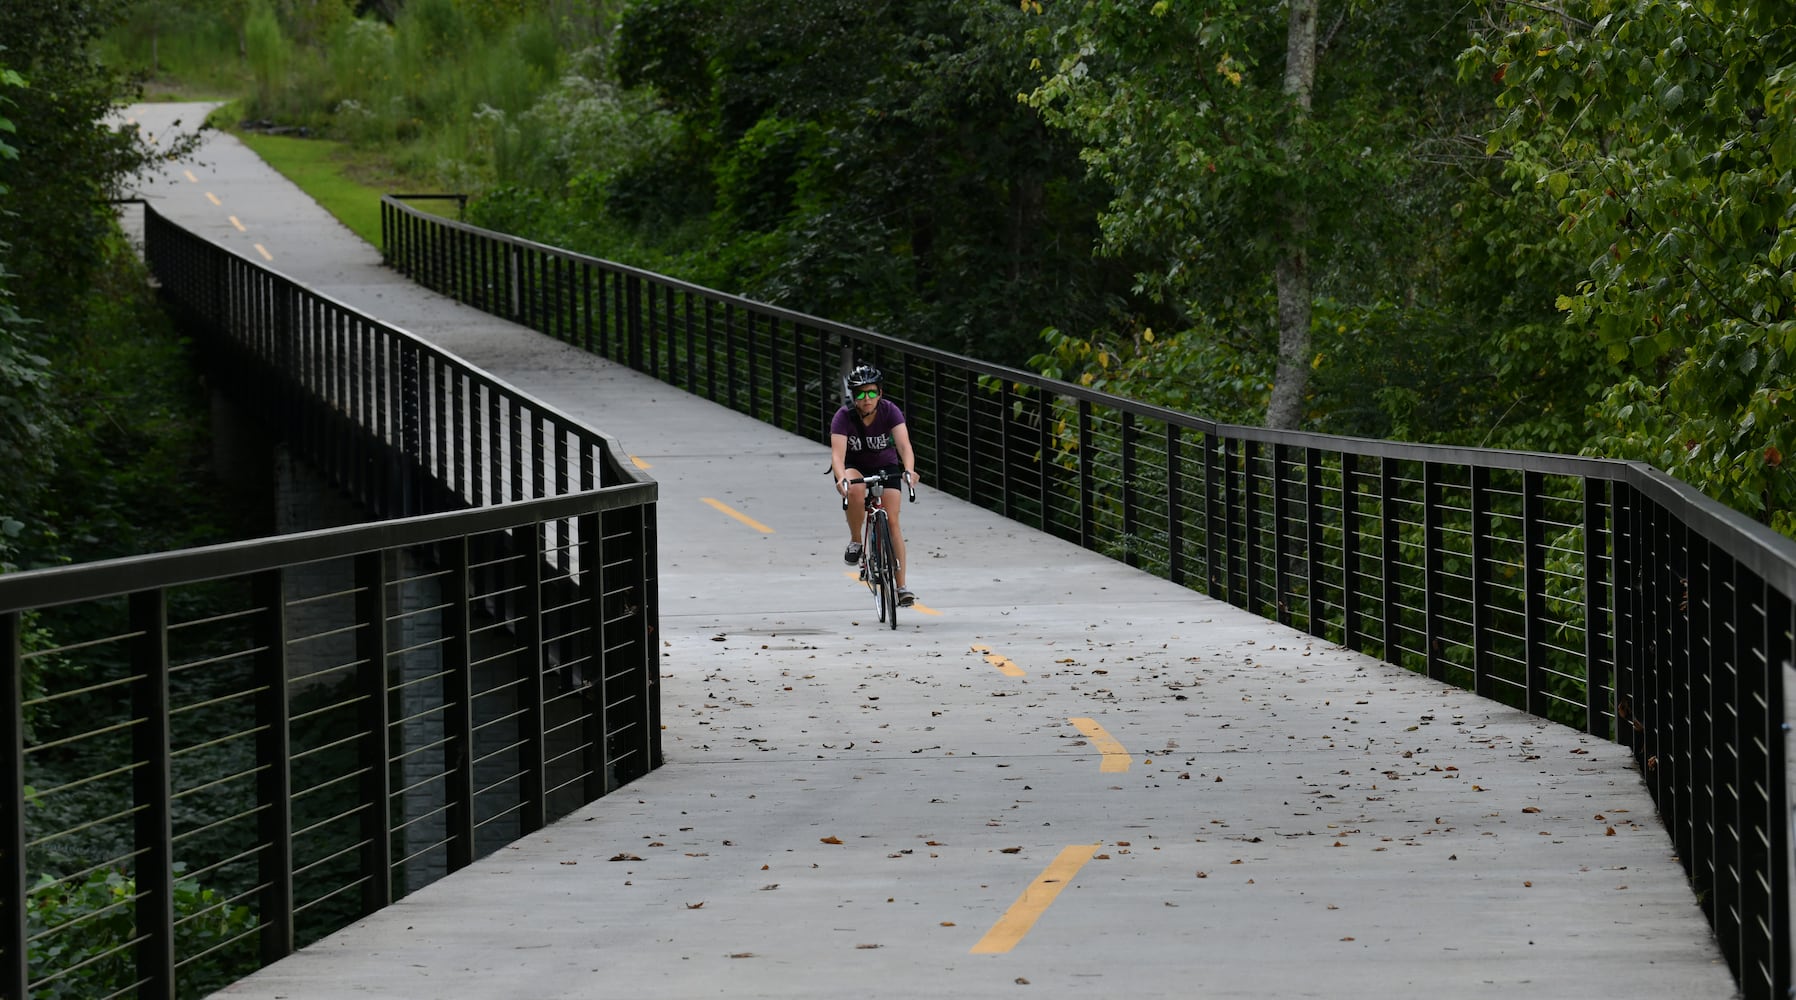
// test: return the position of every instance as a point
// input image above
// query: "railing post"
(1087, 462)
(1044, 429)
(1534, 576)
(274, 781)
(633, 329)
(1215, 537)
(775, 379)
(710, 312)
(1131, 554)
(1350, 554)
(1312, 544)
(753, 408)
(1624, 535)
(1175, 495)
(458, 713)
(411, 412)
(1006, 495)
(531, 722)
(596, 728)
(970, 383)
(376, 723)
(1434, 570)
(585, 308)
(514, 437)
(692, 348)
(154, 864)
(468, 439)
(1598, 655)
(729, 357)
(1481, 581)
(1250, 525)
(806, 401)
(15, 974)
(1387, 524)
(514, 283)
(648, 573)
(1281, 550)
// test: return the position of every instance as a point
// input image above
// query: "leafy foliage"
(94, 919)
(1663, 135)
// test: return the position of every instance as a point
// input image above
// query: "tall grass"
(265, 45)
(477, 96)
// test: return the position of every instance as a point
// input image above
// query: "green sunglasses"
(867, 394)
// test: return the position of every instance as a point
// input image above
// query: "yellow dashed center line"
(190, 178)
(639, 463)
(1115, 757)
(1028, 908)
(1003, 663)
(744, 518)
(264, 252)
(239, 225)
(214, 199)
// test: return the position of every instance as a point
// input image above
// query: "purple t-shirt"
(870, 446)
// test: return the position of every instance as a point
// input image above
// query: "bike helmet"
(863, 375)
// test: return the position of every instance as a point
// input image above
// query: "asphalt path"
(1058, 777)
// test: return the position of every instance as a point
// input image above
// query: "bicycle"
(879, 563)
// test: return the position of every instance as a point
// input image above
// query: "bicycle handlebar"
(878, 482)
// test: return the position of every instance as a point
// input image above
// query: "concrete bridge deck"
(848, 811)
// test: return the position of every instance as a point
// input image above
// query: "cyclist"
(868, 436)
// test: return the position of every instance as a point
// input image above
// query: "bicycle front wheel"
(888, 572)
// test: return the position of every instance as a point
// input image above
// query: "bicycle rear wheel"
(888, 571)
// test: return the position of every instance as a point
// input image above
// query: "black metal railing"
(221, 754)
(1560, 585)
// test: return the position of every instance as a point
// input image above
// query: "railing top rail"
(112, 577)
(1767, 553)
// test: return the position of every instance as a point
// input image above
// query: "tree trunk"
(1290, 383)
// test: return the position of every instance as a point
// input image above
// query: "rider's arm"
(901, 438)
(838, 457)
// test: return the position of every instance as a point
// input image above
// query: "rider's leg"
(857, 505)
(894, 501)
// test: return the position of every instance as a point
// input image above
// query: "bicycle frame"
(879, 563)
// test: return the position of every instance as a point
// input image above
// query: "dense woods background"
(1558, 226)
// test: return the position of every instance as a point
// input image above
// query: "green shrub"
(84, 928)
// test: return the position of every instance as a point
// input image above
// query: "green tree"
(72, 158)
(1266, 171)
(1664, 137)
(22, 371)
(871, 163)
